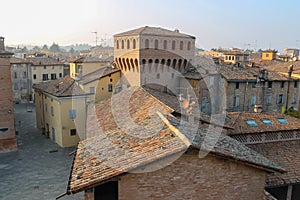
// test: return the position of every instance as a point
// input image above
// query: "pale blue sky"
(225, 23)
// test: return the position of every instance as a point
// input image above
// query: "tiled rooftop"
(134, 135)
(89, 59)
(41, 61)
(14, 60)
(147, 30)
(286, 154)
(237, 120)
(230, 72)
(62, 87)
(96, 75)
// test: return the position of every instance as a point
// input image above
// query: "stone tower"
(7, 129)
(153, 56)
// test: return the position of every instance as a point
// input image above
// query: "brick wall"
(7, 138)
(193, 178)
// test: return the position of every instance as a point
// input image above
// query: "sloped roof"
(237, 120)
(232, 73)
(286, 154)
(63, 87)
(89, 59)
(122, 146)
(96, 75)
(41, 61)
(118, 151)
(147, 30)
(14, 60)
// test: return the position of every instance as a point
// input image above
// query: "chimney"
(291, 68)
(2, 48)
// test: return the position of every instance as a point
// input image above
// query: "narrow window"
(110, 88)
(165, 44)
(73, 132)
(156, 44)
(72, 114)
(147, 44)
(92, 90)
(173, 45)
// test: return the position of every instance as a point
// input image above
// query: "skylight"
(251, 122)
(282, 121)
(267, 121)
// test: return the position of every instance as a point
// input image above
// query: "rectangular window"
(280, 99)
(296, 84)
(282, 121)
(254, 85)
(24, 75)
(251, 122)
(253, 100)
(111, 80)
(282, 84)
(203, 104)
(34, 76)
(294, 98)
(92, 90)
(236, 101)
(237, 85)
(157, 76)
(72, 114)
(52, 111)
(53, 76)
(110, 88)
(45, 77)
(73, 132)
(45, 67)
(269, 99)
(16, 86)
(15, 75)
(46, 107)
(172, 75)
(269, 84)
(60, 75)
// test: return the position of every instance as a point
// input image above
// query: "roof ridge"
(175, 130)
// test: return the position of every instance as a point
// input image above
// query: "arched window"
(128, 44)
(173, 45)
(189, 46)
(181, 45)
(124, 64)
(156, 64)
(128, 64)
(133, 44)
(150, 64)
(184, 63)
(174, 63)
(162, 64)
(122, 44)
(179, 64)
(165, 44)
(136, 62)
(117, 44)
(156, 44)
(147, 44)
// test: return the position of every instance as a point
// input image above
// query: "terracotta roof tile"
(147, 30)
(286, 154)
(62, 87)
(122, 146)
(41, 61)
(237, 120)
(97, 75)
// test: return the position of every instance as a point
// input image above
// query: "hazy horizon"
(243, 24)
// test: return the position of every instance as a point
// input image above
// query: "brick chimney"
(2, 48)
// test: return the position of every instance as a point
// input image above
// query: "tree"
(45, 47)
(54, 48)
(72, 50)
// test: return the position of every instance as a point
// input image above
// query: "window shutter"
(277, 99)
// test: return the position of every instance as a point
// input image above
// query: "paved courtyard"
(39, 169)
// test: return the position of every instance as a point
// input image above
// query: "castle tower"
(150, 55)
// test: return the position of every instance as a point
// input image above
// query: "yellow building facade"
(268, 55)
(86, 65)
(61, 111)
(101, 84)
